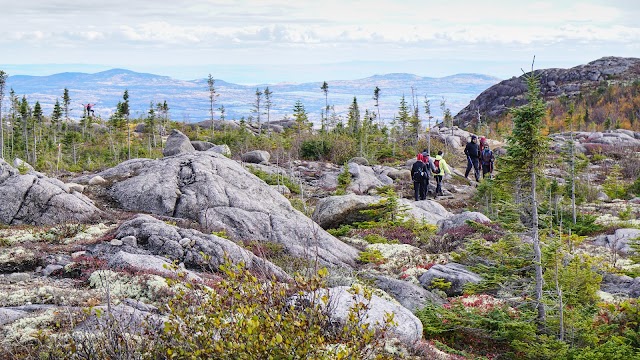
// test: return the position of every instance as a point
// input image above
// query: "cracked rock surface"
(36, 199)
(220, 194)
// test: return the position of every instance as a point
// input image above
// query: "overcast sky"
(260, 41)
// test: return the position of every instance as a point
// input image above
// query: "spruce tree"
(3, 83)
(267, 104)
(212, 99)
(353, 119)
(526, 151)
(66, 100)
(300, 116)
(376, 98)
(256, 107)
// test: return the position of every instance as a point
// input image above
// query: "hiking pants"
(473, 162)
(439, 184)
(424, 188)
(486, 169)
(417, 189)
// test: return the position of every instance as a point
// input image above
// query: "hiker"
(440, 168)
(487, 161)
(483, 143)
(473, 155)
(90, 111)
(428, 162)
(418, 173)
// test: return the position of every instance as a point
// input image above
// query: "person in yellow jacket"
(440, 168)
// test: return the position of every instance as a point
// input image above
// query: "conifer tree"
(403, 115)
(376, 98)
(267, 104)
(300, 116)
(66, 100)
(37, 124)
(526, 149)
(56, 116)
(25, 111)
(256, 107)
(325, 113)
(353, 119)
(212, 99)
(124, 111)
(427, 113)
(3, 83)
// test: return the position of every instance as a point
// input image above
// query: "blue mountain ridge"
(189, 100)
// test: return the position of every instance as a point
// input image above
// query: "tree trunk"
(536, 250)
(573, 180)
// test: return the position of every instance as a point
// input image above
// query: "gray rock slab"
(461, 219)
(220, 194)
(256, 157)
(458, 275)
(177, 143)
(38, 200)
(166, 240)
(408, 328)
(409, 295)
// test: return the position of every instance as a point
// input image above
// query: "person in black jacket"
(473, 156)
(418, 175)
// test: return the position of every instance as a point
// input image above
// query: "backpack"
(486, 156)
(436, 164)
(418, 175)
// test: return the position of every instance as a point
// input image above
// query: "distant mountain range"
(189, 100)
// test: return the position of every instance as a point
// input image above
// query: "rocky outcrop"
(333, 211)
(589, 142)
(221, 195)
(496, 100)
(177, 143)
(619, 241)
(411, 296)
(461, 219)
(202, 145)
(408, 327)
(621, 285)
(36, 199)
(221, 149)
(256, 157)
(190, 247)
(453, 273)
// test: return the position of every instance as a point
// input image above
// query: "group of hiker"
(422, 170)
(478, 155)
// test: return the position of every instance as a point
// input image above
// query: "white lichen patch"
(16, 236)
(609, 220)
(390, 251)
(91, 232)
(39, 292)
(120, 285)
(22, 331)
(15, 254)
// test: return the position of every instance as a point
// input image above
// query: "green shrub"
(343, 230)
(344, 180)
(634, 188)
(275, 179)
(241, 316)
(613, 185)
(315, 149)
(375, 239)
(371, 256)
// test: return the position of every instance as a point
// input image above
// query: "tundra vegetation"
(539, 296)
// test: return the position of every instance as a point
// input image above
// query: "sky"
(273, 41)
